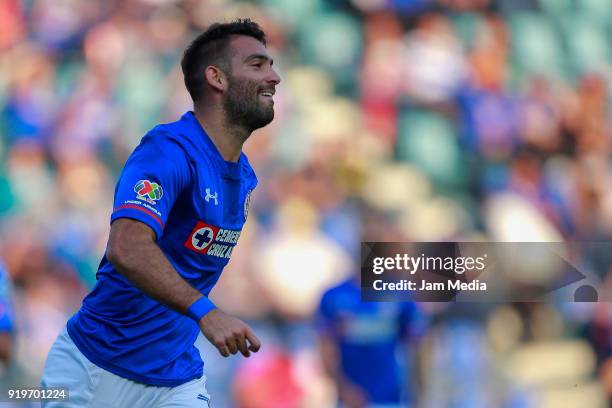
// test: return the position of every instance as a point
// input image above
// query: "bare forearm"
(144, 264)
(6, 344)
(149, 270)
(329, 358)
(350, 394)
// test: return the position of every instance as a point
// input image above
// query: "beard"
(244, 107)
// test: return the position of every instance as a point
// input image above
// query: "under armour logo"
(209, 196)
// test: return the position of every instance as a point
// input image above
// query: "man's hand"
(228, 334)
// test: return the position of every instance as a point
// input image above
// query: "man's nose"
(274, 77)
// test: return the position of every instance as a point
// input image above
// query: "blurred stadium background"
(421, 120)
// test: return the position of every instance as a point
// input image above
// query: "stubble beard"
(243, 106)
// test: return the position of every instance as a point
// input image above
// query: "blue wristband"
(199, 308)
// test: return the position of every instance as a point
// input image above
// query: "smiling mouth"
(267, 94)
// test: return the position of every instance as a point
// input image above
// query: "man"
(180, 205)
(359, 341)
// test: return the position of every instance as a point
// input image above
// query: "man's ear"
(216, 78)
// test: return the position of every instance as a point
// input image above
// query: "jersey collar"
(229, 169)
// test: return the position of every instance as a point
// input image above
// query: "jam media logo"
(148, 191)
(480, 271)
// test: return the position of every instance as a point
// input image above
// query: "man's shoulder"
(340, 292)
(158, 141)
(171, 128)
(163, 132)
(170, 138)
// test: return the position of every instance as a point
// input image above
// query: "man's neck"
(227, 138)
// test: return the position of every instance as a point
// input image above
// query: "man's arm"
(414, 368)
(6, 347)
(351, 395)
(134, 253)
(413, 324)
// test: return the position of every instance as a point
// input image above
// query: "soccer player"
(359, 343)
(180, 205)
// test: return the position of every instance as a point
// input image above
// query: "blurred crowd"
(396, 120)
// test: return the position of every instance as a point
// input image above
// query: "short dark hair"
(211, 48)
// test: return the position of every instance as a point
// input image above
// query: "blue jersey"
(178, 184)
(367, 335)
(6, 306)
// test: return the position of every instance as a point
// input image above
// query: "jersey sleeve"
(153, 177)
